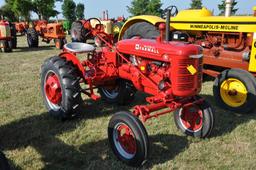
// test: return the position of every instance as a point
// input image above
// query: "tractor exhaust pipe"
(228, 8)
(167, 34)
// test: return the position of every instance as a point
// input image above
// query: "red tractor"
(48, 32)
(5, 36)
(170, 72)
(21, 27)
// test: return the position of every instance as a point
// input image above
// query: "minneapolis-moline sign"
(214, 27)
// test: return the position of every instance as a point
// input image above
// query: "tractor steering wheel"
(88, 25)
(88, 21)
(172, 8)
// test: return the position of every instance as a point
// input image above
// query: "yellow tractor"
(229, 48)
(5, 36)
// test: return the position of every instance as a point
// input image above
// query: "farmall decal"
(146, 48)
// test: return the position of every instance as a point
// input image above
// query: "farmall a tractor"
(170, 72)
(229, 48)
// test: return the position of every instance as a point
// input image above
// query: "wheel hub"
(233, 92)
(126, 139)
(192, 118)
(53, 89)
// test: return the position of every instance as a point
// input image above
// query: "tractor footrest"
(95, 97)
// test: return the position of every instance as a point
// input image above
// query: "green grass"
(31, 139)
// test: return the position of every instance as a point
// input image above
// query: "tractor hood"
(155, 50)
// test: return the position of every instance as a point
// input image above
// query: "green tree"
(44, 8)
(145, 7)
(69, 10)
(21, 8)
(196, 4)
(222, 7)
(80, 11)
(7, 13)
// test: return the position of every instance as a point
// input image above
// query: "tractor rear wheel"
(7, 46)
(32, 38)
(122, 92)
(196, 120)
(14, 36)
(4, 165)
(128, 138)
(142, 29)
(235, 90)
(60, 87)
(59, 43)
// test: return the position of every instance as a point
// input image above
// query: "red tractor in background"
(81, 30)
(170, 72)
(21, 27)
(5, 36)
(48, 32)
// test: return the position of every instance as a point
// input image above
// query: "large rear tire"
(121, 92)
(7, 46)
(128, 139)
(142, 29)
(14, 36)
(235, 90)
(60, 87)
(32, 38)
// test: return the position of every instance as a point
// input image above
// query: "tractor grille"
(186, 83)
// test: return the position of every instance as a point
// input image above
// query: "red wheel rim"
(52, 88)
(191, 118)
(125, 137)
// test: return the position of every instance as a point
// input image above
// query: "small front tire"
(196, 120)
(128, 139)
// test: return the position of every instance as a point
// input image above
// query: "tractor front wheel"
(196, 120)
(32, 38)
(4, 165)
(121, 92)
(60, 87)
(235, 90)
(128, 139)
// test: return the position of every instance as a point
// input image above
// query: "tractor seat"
(77, 47)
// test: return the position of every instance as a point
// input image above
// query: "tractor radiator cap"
(77, 47)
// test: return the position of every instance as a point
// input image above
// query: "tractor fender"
(71, 57)
(154, 20)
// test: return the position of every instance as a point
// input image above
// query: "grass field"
(31, 139)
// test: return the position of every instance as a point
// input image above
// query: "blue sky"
(94, 8)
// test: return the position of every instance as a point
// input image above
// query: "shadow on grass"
(39, 48)
(40, 133)
(226, 121)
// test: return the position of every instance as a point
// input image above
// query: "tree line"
(154, 7)
(15, 10)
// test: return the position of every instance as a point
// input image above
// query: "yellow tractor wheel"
(235, 90)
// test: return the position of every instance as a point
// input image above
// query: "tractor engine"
(174, 67)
